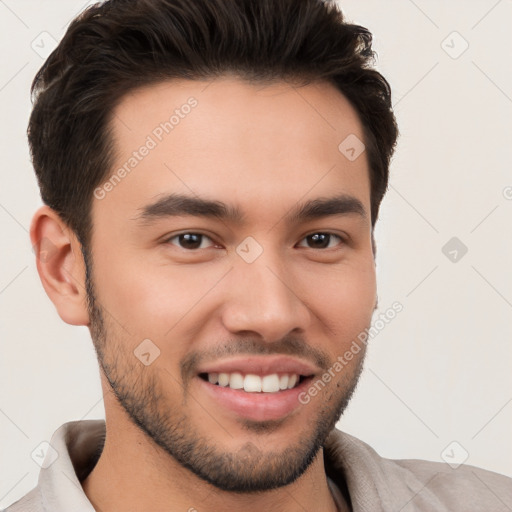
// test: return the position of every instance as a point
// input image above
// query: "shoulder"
(412, 484)
(464, 486)
(31, 502)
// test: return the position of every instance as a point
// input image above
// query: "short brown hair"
(119, 45)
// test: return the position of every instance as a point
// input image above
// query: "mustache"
(249, 347)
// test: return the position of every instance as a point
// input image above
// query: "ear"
(374, 248)
(374, 251)
(60, 265)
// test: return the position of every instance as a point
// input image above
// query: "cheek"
(149, 300)
(346, 304)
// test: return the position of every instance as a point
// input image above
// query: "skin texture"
(263, 148)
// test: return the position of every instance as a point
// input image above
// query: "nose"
(264, 300)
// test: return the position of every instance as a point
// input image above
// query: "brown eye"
(322, 240)
(190, 241)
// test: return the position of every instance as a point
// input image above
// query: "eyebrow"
(172, 205)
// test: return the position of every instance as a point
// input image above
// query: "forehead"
(228, 138)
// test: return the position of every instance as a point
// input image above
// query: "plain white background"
(440, 371)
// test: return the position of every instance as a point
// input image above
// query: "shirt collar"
(77, 445)
(353, 466)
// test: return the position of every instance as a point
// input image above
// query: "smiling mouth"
(251, 383)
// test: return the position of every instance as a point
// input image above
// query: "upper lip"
(261, 365)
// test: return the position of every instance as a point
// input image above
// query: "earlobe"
(60, 265)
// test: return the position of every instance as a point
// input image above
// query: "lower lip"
(256, 406)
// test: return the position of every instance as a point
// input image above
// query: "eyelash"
(168, 240)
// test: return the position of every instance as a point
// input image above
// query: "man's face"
(271, 295)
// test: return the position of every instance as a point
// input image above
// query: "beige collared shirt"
(370, 482)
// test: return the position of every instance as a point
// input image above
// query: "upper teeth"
(254, 383)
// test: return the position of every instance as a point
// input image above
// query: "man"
(212, 172)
